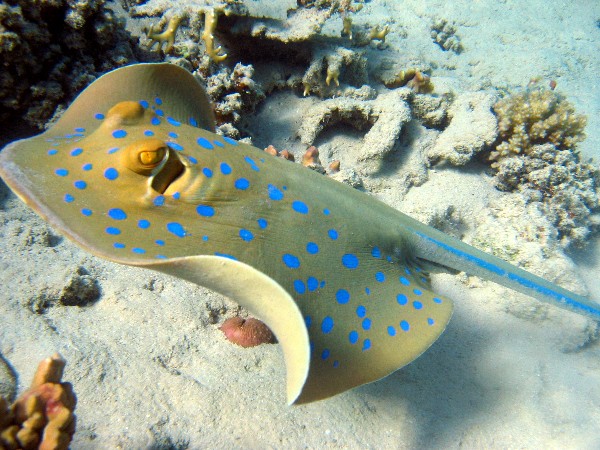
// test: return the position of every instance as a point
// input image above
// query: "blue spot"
(312, 283)
(117, 214)
(308, 321)
(300, 207)
(437, 300)
(404, 281)
(326, 212)
(402, 299)
(176, 229)
(325, 354)
(291, 261)
(225, 168)
(86, 212)
(118, 245)
(388, 258)
(404, 325)
(143, 224)
(350, 261)
(192, 159)
(61, 172)
(87, 167)
(333, 234)
(207, 172)
(80, 184)
(218, 143)
(76, 152)
(113, 231)
(159, 201)
(144, 104)
(175, 146)
(322, 285)
(138, 250)
(327, 325)
(159, 112)
(366, 324)
(299, 286)
(252, 163)
(366, 344)
(274, 192)
(119, 134)
(161, 256)
(406, 271)
(158, 101)
(205, 210)
(111, 173)
(367, 291)
(79, 130)
(417, 292)
(203, 142)
(312, 248)
(173, 122)
(155, 121)
(361, 311)
(430, 321)
(262, 223)
(336, 364)
(99, 116)
(225, 255)
(353, 337)
(342, 296)
(376, 253)
(112, 150)
(176, 195)
(68, 198)
(159, 242)
(379, 276)
(52, 151)
(246, 235)
(391, 331)
(229, 140)
(205, 238)
(242, 184)
(148, 133)
(417, 305)
(193, 122)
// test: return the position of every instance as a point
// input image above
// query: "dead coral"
(51, 49)
(568, 189)
(536, 116)
(444, 35)
(385, 116)
(41, 418)
(413, 78)
(472, 129)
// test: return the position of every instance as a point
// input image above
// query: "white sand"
(151, 369)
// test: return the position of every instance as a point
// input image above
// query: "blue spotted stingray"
(133, 172)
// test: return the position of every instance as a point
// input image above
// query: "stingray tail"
(439, 249)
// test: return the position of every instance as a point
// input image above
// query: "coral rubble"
(42, 417)
(444, 35)
(51, 49)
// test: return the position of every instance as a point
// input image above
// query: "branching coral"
(210, 25)
(536, 116)
(165, 37)
(42, 418)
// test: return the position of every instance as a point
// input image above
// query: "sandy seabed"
(151, 369)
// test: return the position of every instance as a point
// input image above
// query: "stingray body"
(134, 173)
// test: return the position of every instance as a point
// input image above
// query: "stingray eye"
(145, 155)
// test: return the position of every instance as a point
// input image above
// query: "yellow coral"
(536, 116)
(167, 36)
(379, 33)
(210, 25)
